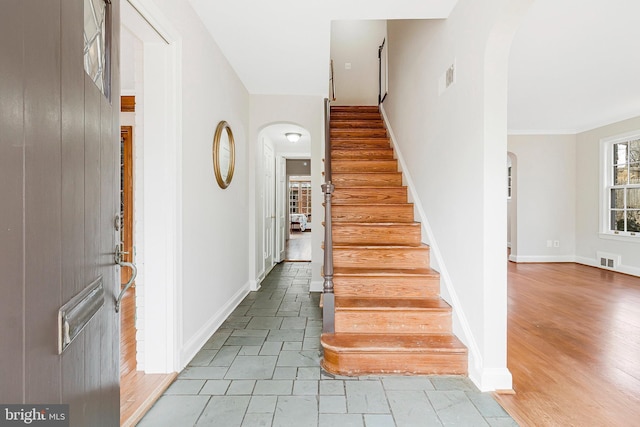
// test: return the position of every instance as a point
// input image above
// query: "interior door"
(269, 208)
(58, 186)
(281, 207)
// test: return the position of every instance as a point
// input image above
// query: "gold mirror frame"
(223, 181)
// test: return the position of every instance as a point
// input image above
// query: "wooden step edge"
(422, 247)
(375, 186)
(432, 304)
(378, 224)
(393, 343)
(370, 272)
(367, 172)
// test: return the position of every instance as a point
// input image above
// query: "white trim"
(199, 339)
(542, 258)
(575, 131)
(626, 269)
(620, 237)
(491, 379)
(605, 155)
(161, 338)
(475, 356)
(542, 132)
(155, 18)
(316, 286)
(254, 285)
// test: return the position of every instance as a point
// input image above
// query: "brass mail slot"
(76, 314)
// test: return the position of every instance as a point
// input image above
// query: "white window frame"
(606, 183)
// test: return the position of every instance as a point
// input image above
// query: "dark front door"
(59, 143)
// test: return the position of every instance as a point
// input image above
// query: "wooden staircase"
(389, 317)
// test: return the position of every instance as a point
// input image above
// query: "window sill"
(623, 238)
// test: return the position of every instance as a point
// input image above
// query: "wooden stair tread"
(393, 343)
(391, 304)
(381, 245)
(378, 224)
(371, 272)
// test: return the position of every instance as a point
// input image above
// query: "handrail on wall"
(332, 83)
(328, 304)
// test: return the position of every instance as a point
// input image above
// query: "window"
(97, 43)
(300, 195)
(621, 195)
(509, 182)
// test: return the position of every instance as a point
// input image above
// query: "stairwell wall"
(454, 143)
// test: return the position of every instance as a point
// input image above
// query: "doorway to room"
(298, 246)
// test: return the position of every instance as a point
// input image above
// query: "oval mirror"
(224, 154)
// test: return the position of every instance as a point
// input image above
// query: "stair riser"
(356, 364)
(338, 166)
(355, 109)
(370, 195)
(391, 258)
(371, 154)
(357, 124)
(386, 287)
(402, 213)
(359, 143)
(346, 115)
(393, 322)
(389, 179)
(408, 235)
(358, 133)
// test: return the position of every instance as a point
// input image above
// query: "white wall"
(356, 43)
(308, 113)
(213, 235)
(455, 147)
(546, 202)
(588, 239)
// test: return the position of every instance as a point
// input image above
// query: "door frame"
(158, 188)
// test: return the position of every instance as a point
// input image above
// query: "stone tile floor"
(261, 368)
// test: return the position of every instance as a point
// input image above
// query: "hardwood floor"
(138, 393)
(298, 246)
(573, 346)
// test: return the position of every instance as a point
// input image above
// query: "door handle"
(134, 273)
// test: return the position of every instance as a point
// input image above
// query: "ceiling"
(282, 46)
(574, 65)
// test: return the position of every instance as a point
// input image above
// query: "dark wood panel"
(128, 104)
(11, 194)
(42, 199)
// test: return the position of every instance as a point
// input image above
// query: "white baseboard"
(196, 342)
(632, 271)
(542, 258)
(491, 379)
(316, 286)
(254, 285)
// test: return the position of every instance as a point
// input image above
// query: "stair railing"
(328, 300)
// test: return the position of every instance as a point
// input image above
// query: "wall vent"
(608, 261)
